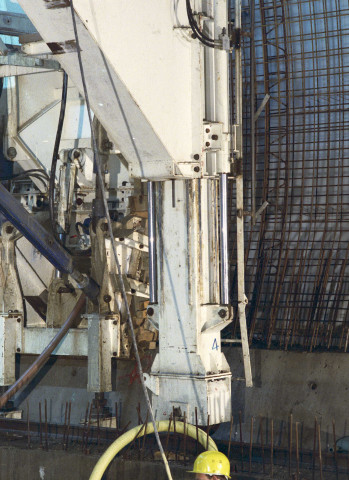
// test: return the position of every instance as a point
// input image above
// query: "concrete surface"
(302, 384)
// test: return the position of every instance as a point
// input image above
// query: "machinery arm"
(44, 242)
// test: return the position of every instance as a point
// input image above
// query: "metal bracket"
(213, 136)
(152, 382)
(3, 48)
(189, 169)
(15, 24)
(21, 60)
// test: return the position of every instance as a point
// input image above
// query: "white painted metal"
(7, 349)
(238, 148)
(114, 104)
(163, 98)
(103, 343)
(33, 340)
(189, 359)
(152, 244)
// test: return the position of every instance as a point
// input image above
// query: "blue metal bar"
(43, 241)
(34, 232)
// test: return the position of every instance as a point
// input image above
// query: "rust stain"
(58, 48)
(57, 3)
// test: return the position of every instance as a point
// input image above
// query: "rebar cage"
(296, 53)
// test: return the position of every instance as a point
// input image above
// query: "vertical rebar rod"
(335, 448)
(175, 433)
(314, 447)
(241, 443)
(68, 427)
(262, 442)
(271, 448)
(290, 445)
(297, 452)
(28, 424)
(252, 113)
(65, 424)
(40, 419)
(168, 436)
(208, 431)
(116, 419)
(197, 429)
(46, 435)
(152, 244)
(84, 429)
(320, 453)
(231, 428)
(185, 438)
(223, 183)
(251, 443)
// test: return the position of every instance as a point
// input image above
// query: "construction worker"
(211, 465)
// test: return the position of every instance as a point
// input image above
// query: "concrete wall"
(304, 384)
(58, 465)
(64, 380)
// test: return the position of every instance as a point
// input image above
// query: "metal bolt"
(115, 322)
(141, 246)
(222, 313)
(207, 130)
(196, 156)
(240, 213)
(114, 354)
(207, 144)
(107, 145)
(121, 239)
(79, 201)
(18, 350)
(193, 36)
(214, 137)
(196, 169)
(11, 152)
(18, 320)
(150, 311)
(107, 298)
(9, 229)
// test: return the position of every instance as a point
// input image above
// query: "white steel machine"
(158, 75)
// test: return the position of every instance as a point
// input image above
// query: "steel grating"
(297, 270)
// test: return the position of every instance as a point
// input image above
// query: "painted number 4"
(215, 345)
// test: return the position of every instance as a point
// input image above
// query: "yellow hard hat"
(212, 463)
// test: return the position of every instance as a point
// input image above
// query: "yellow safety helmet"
(212, 463)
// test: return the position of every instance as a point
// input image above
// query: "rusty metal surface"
(297, 252)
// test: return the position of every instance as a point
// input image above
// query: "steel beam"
(15, 24)
(22, 60)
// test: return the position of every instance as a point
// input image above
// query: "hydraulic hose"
(30, 373)
(137, 432)
(55, 154)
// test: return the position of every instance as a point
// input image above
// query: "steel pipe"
(30, 373)
(224, 280)
(152, 244)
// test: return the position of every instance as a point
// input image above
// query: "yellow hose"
(138, 431)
